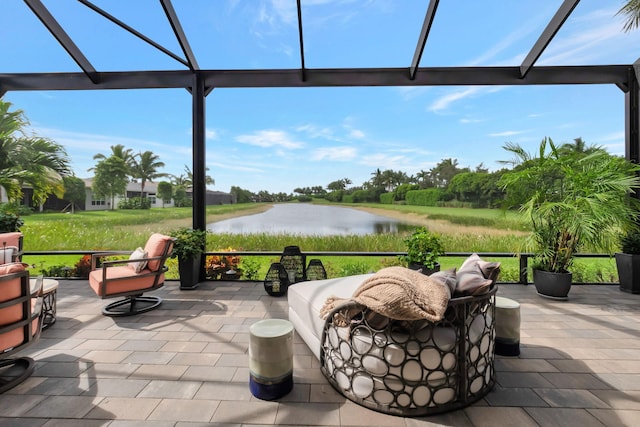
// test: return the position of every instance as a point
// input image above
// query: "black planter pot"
(552, 285)
(423, 268)
(628, 272)
(189, 270)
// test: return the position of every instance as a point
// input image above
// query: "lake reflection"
(309, 219)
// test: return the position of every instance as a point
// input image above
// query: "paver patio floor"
(186, 364)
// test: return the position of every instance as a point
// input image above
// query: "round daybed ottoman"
(412, 368)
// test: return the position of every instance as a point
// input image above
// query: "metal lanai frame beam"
(133, 31)
(549, 32)
(422, 40)
(179, 32)
(63, 38)
(356, 77)
(300, 36)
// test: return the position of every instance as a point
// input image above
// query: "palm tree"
(31, 160)
(631, 11)
(579, 147)
(119, 151)
(145, 167)
(208, 180)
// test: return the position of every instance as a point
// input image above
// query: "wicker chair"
(130, 278)
(20, 322)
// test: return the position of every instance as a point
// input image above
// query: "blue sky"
(280, 139)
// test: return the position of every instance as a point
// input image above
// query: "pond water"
(308, 219)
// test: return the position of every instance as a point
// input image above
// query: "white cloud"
(385, 161)
(356, 134)
(508, 133)
(334, 153)
(443, 102)
(313, 131)
(269, 138)
(212, 134)
(468, 121)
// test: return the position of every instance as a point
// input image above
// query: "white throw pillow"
(6, 254)
(139, 253)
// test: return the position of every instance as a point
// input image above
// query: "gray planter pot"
(425, 270)
(628, 272)
(552, 285)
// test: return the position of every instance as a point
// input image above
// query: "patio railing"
(523, 278)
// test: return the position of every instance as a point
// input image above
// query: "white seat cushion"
(307, 298)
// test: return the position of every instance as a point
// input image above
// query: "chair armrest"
(99, 255)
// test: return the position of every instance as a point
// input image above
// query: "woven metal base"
(412, 368)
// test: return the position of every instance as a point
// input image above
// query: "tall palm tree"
(29, 160)
(631, 11)
(145, 168)
(119, 151)
(208, 180)
(579, 147)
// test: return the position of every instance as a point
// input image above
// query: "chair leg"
(15, 371)
(131, 305)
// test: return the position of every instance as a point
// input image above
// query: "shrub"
(10, 222)
(428, 197)
(134, 203)
(387, 198)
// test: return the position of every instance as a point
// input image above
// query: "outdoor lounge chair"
(20, 322)
(130, 278)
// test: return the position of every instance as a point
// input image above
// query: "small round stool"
(507, 327)
(271, 358)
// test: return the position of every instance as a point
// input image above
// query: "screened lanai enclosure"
(199, 64)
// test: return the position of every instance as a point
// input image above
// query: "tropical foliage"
(572, 201)
(29, 160)
(631, 12)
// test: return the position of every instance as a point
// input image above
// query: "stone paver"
(186, 365)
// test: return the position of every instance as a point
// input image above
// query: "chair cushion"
(139, 253)
(475, 276)
(15, 337)
(447, 277)
(154, 247)
(12, 267)
(7, 253)
(10, 239)
(127, 284)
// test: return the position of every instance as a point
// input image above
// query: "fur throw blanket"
(397, 293)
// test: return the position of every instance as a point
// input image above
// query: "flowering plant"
(219, 267)
(82, 267)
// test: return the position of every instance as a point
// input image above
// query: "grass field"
(462, 230)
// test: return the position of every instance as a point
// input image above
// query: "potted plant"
(628, 261)
(572, 201)
(189, 246)
(423, 250)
